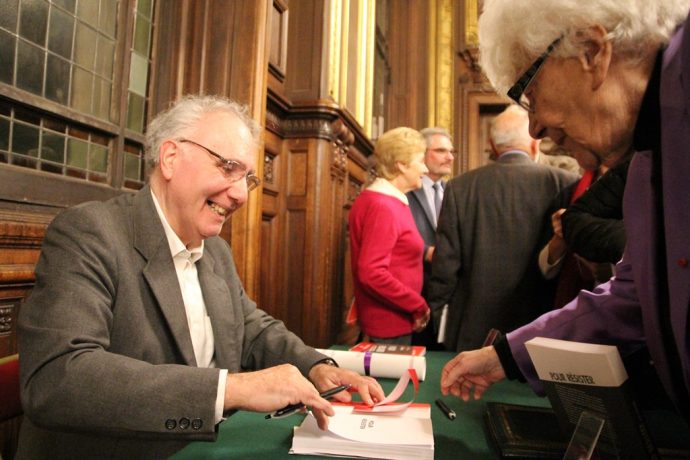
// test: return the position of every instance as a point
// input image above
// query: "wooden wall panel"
(408, 42)
(218, 47)
(305, 42)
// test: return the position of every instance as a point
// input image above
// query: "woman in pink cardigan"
(386, 247)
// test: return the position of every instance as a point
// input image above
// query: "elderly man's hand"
(272, 389)
(326, 377)
(471, 372)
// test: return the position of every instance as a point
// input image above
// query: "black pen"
(292, 408)
(450, 413)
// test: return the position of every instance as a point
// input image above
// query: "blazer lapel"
(218, 301)
(420, 195)
(676, 189)
(159, 271)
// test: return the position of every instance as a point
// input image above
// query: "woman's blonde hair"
(398, 145)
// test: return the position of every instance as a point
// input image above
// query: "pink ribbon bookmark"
(388, 404)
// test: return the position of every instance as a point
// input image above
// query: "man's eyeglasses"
(444, 151)
(232, 169)
(517, 91)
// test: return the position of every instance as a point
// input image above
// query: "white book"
(580, 363)
(407, 435)
(580, 377)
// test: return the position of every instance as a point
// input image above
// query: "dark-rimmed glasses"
(443, 151)
(517, 91)
(232, 169)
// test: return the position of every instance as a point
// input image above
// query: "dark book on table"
(533, 433)
(581, 377)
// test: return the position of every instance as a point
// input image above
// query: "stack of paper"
(406, 435)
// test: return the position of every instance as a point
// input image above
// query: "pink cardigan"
(387, 252)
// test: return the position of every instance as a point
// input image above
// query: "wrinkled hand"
(326, 377)
(556, 222)
(420, 321)
(471, 372)
(271, 389)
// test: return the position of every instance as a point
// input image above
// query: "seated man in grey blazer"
(138, 336)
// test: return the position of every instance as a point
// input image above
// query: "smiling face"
(411, 174)
(196, 196)
(439, 156)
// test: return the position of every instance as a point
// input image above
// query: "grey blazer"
(487, 242)
(107, 364)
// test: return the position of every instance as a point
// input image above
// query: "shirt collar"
(384, 186)
(175, 244)
(428, 183)
(513, 154)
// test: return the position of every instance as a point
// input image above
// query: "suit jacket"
(107, 363)
(627, 310)
(423, 216)
(487, 242)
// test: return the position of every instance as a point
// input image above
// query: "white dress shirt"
(199, 323)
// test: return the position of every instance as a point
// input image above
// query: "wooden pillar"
(218, 47)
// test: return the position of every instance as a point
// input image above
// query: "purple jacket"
(626, 309)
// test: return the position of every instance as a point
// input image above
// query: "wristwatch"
(328, 361)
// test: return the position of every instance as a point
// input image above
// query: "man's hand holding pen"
(274, 388)
(326, 377)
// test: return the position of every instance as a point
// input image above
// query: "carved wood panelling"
(278, 25)
(268, 169)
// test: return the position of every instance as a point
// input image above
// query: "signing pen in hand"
(292, 408)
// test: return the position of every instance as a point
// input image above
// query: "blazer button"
(683, 262)
(197, 424)
(184, 423)
(170, 424)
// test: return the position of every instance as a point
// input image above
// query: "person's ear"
(167, 157)
(596, 53)
(494, 151)
(534, 147)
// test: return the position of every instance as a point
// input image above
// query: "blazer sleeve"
(610, 314)
(593, 225)
(71, 378)
(266, 342)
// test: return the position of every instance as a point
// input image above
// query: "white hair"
(510, 128)
(513, 33)
(430, 132)
(185, 113)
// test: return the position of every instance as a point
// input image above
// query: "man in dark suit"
(489, 234)
(138, 336)
(425, 204)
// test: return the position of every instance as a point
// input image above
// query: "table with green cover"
(248, 435)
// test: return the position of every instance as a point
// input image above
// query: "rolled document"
(385, 365)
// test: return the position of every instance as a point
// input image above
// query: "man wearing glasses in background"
(138, 336)
(425, 204)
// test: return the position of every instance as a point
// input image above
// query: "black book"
(533, 433)
(525, 432)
